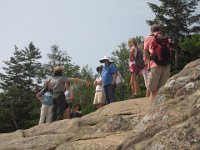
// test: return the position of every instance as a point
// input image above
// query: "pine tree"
(57, 56)
(120, 58)
(19, 83)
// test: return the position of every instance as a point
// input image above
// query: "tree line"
(24, 74)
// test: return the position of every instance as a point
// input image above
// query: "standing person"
(145, 73)
(45, 97)
(159, 72)
(99, 97)
(58, 86)
(69, 97)
(109, 75)
(133, 67)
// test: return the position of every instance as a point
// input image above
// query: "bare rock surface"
(172, 123)
(106, 128)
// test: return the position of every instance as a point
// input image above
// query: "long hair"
(67, 83)
(133, 40)
(46, 86)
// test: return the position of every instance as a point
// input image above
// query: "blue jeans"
(109, 91)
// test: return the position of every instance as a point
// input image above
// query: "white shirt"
(99, 87)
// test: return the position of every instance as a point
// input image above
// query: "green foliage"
(190, 48)
(18, 84)
(120, 58)
(57, 56)
(139, 40)
(84, 95)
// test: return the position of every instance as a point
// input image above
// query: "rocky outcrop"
(172, 123)
(106, 128)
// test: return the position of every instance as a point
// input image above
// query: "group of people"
(156, 71)
(157, 55)
(105, 83)
(56, 97)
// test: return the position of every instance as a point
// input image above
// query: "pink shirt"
(147, 47)
(133, 48)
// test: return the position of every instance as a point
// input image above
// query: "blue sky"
(86, 29)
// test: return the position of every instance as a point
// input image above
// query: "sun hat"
(57, 68)
(105, 58)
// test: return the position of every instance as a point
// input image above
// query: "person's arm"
(114, 76)
(77, 80)
(39, 96)
(131, 55)
(95, 83)
(114, 73)
(99, 82)
(146, 53)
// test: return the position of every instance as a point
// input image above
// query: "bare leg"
(152, 96)
(97, 106)
(67, 112)
(147, 93)
(101, 105)
(136, 87)
(132, 84)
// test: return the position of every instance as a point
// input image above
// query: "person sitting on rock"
(76, 112)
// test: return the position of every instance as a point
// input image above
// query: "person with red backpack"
(157, 54)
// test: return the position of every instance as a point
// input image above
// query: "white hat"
(105, 58)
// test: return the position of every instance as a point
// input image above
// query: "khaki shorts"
(158, 76)
(99, 98)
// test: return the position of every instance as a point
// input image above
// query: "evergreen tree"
(84, 95)
(190, 48)
(139, 40)
(178, 19)
(19, 83)
(120, 58)
(57, 56)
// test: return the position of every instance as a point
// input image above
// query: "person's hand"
(40, 100)
(95, 83)
(88, 83)
(113, 82)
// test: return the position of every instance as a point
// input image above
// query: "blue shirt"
(47, 97)
(107, 73)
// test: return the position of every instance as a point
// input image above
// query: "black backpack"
(162, 53)
(139, 59)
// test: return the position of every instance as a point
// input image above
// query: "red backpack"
(162, 53)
